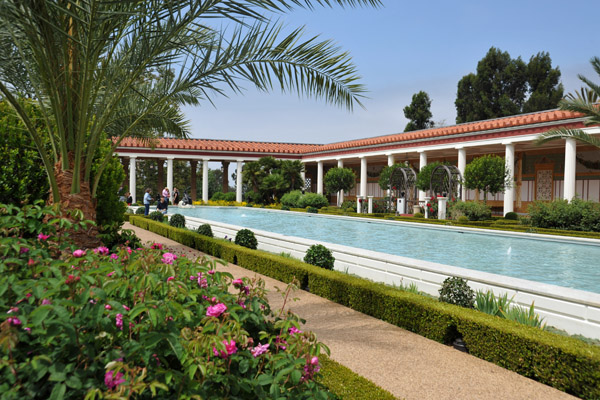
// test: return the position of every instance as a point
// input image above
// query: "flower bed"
(564, 363)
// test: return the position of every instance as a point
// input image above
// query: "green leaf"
(74, 382)
(40, 314)
(264, 380)
(244, 365)
(296, 376)
(58, 393)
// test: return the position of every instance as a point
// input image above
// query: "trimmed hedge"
(562, 362)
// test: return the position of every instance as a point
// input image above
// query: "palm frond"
(565, 133)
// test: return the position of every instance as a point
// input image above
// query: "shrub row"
(564, 363)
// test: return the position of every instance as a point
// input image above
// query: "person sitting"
(162, 206)
(128, 198)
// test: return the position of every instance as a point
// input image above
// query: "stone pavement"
(405, 364)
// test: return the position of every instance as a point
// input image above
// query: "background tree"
(585, 102)
(423, 181)
(418, 112)
(291, 170)
(487, 174)
(503, 86)
(87, 63)
(338, 179)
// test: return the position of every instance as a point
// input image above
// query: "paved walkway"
(407, 365)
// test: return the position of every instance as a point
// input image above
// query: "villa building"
(545, 172)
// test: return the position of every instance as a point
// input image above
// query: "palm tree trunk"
(83, 201)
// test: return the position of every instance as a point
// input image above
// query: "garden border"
(564, 363)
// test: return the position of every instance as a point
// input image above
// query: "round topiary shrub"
(140, 210)
(177, 220)
(419, 215)
(313, 200)
(285, 208)
(456, 291)
(319, 255)
(246, 238)
(512, 216)
(463, 220)
(157, 216)
(205, 230)
(312, 210)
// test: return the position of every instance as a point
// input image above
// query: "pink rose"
(216, 310)
(260, 349)
(41, 236)
(112, 380)
(114, 257)
(171, 278)
(237, 282)
(168, 258)
(79, 253)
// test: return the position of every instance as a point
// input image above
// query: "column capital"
(421, 151)
(389, 154)
(362, 157)
(133, 157)
(206, 159)
(170, 157)
(460, 147)
(507, 142)
(239, 161)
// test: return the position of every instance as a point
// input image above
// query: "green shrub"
(455, 290)
(475, 211)
(578, 215)
(312, 210)
(177, 220)
(218, 196)
(285, 208)
(291, 199)
(462, 219)
(349, 206)
(561, 362)
(246, 238)
(419, 215)
(205, 230)
(319, 255)
(512, 216)
(229, 196)
(140, 210)
(157, 216)
(313, 200)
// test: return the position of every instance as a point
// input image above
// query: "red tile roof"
(292, 148)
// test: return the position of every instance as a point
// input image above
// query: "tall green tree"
(585, 102)
(339, 179)
(487, 174)
(87, 62)
(419, 112)
(504, 86)
(291, 170)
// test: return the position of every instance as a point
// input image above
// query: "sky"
(400, 49)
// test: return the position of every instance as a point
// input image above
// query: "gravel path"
(407, 365)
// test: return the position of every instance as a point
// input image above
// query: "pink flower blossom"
(237, 282)
(13, 310)
(216, 310)
(112, 380)
(41, 236)
(119, 321)
(168, 258)
(28, 295)
(79, 253)
(129, 251)
(46, 301)
(24, 250)
(202, 282)
(211, 272)
(293, 330)
(156, 246)
(260, 349)
(14, 321)
(114, 256)
(110, 273)
(27, 329)
(230, 348)
(126, 308)
(107, 307)
(171, 278)
(103, 251)
(242, 304)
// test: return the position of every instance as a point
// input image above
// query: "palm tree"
(292, 172)
(586, 103)
(87, 65)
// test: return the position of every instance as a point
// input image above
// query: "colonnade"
(509, 155)
(238, 194)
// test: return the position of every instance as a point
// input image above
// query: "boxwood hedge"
(562, 362)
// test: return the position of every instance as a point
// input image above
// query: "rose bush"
(78, 323)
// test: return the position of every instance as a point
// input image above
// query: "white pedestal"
(358, 204)
(442, 201)
(427, 201)
(370, 204)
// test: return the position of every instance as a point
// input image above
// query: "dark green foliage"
(285, 208)
(270, 178)
(319, 255)
(418, 112)
(140, 210)
(177, 220)
(564, 363)
(205, 230)
(291, 199)
(512, 216)
(419, 215)
(156, 216)
(313, 200)
(474, 211)
(455, 290)
(109, 210)
(349, 206)
(337, 179)
(22, 176)
(488, 174)
(423, 181)
(578, 215)
(312, 210)
(501, 85)
(246, 238)
(123, 237)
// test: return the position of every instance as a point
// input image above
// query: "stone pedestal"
(358, 204)
(370, 204)
(442, 201)
(427, 200)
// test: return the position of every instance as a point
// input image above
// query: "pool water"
(561, 263)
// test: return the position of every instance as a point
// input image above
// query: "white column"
(390, 159)
(132, 181)
(422, 163)
(462, 164)
(570, 168)
(170, 177)
(363, 177)
(238, 182)
(509, 192)
(320, 177)
(303, 174)
(340, 200)
(205, 180)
